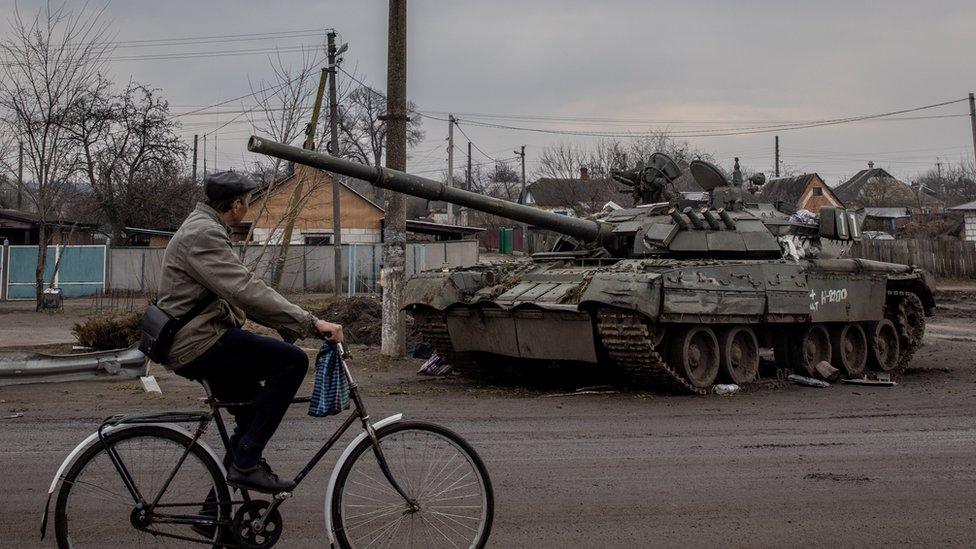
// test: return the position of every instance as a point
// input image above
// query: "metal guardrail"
(21, 367)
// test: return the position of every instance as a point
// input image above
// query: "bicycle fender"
(91, 440)
(335, 471)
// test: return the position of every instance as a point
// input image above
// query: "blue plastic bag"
(331, 393)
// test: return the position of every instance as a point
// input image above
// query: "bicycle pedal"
(281, 496)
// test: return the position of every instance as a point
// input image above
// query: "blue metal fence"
(80, 273)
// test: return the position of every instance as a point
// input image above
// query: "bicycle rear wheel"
(436, 468)
(95, 509)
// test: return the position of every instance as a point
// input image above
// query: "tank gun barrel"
(385, 178)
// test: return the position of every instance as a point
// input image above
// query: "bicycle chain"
(628, 340)
(910, 338)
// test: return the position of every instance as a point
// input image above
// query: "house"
(969, 227)
(146, 238)
(875, 187)
(361, 219)
(575, 197)
(18, 227)
(802, 192)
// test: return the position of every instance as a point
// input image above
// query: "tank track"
(628, 340)
(909, 338)
(433, 329)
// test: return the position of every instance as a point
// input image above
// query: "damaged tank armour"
(676, 294)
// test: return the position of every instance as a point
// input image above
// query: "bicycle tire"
(461, 445)
(61, 518)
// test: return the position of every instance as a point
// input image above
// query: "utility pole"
(20, 175)
(334, 126)
(521, 200)
(215, 152)
(395, 219)
(467, 182)
(295, 203)
(972, 120)
(776, 171)
(450, 164)
(195, 138)
(204, 156)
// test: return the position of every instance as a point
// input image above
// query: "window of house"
(318, 240)
(817, 191)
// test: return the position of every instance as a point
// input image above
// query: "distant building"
(575, 197)
(875, 187)
(801, 192)
(362, 220)
(148, 238)
(969, 227)
(18, 227)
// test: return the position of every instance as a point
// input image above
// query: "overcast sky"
(688, 66)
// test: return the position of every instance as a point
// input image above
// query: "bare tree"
(363, 128)
(123, 140)
(562, 161)
(49, 61)
(283, 114)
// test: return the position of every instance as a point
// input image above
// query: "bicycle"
(422, 485)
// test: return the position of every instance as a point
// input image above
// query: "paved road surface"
(840, 467)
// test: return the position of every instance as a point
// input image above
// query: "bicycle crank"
(253, 529)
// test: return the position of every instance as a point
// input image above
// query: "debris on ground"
(434, 366)
(807, 381)
(593, 390)
(871, 382)
(826, 371)
(726, 389)
(150, 385)
(14, 416)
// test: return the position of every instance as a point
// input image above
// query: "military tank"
(676, 295)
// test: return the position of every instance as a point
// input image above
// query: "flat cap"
(224, 185)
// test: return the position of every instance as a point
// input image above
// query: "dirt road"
(839, 467)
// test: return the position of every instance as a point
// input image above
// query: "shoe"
(259, 478)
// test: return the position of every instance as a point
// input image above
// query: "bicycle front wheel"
(436, 468)
(95, 509)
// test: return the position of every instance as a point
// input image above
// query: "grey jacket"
(199, 261)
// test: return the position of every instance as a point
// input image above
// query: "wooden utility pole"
(204, 156)
(195, 139)
(395, 219)
(450, 164)
(295, 203)
(521, 200)
(215, 152)
(334, 126)
(467, 180)
(972, 119)
(20, 175)
(776, 170)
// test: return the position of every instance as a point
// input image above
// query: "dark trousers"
(243, 366)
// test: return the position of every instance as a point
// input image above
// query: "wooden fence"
(947, 258)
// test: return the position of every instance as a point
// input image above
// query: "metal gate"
(81, 272)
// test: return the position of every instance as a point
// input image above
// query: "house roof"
(967, 207)
(549, 192)
(261, 190)
(31, 217)
(887, 213)
(895, 193)
(440, 229)
(788, 190)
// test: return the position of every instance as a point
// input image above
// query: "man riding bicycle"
(200, 265)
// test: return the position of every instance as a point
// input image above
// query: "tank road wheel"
(695, 355)
(850, 348)
(809, 347)
(740, 355)
(883, 346)
(906, 312)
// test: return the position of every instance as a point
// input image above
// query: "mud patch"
(839, 477)
(360, 315)
(799, 445)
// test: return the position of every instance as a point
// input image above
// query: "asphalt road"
(839, 467)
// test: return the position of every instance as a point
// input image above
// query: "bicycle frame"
(146, 509)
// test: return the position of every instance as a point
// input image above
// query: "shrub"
(109, 330)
